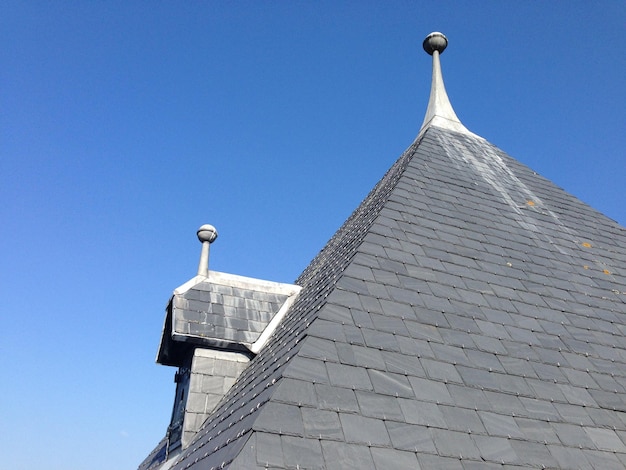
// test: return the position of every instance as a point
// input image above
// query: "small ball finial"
(207, 233)
(435, 42)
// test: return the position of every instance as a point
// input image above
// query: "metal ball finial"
(207, 233)
(435, 42)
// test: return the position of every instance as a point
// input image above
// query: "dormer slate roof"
(222, 311)
(469, 314)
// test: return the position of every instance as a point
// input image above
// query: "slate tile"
(415, 347)
(482, 465)
(269, 452)
(608, 400)
(537, 430)
(606, 439)
(375, 405)
(426, 316)
(353, 335)
(478, 378)
(450, 354)
(297, 392)
(359, 429)
(389, 324)
(358, 271)
(336, 398)
(348, 377)
(397, 309)
(343, 298)
(466, 397)
(462, 419)
(521, 334)
(362, 319)
(196, 402)
(568, 457)
(307, 369)
(327, 330)
(573, 435)
(428, 461)
(441, 371)
(345, 353)
(342, 456)
(388, 383)
(604, 460)
(424, 413)
(303, 453)
(380, 340)
(496, 449)
(376, 290)
(577, 395)
(457, 338)
(517, 366)
(335, 313)
(504, 403)
(606, 418)
(371, 304)
(393, 458)
(492, 329)
(321, 424)
(402, 364)
(280, 418)
(432, 302)
(574, 414)
(352, 284)
(385, 277)
(430, 390)
(500, 425)
(368, 357)
(455, 444)
(578, 361)
(606, 382)
(423, 332)
(410, 437)
(484, 360)
(317, 348)
(487, 344)
(546, 390)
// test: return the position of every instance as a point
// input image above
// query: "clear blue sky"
(124, 126)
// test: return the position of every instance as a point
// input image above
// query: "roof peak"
(439, 112)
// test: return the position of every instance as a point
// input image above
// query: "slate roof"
(221, 311)
(469, 314)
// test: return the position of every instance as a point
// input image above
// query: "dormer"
(214, 324)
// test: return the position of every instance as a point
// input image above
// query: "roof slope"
(469, 314)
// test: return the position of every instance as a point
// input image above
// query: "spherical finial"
(207, 233)
(435, 42)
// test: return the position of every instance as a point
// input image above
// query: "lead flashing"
(439, 112)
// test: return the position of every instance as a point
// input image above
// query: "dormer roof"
(222, 311)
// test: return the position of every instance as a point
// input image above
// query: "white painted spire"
(439, 112)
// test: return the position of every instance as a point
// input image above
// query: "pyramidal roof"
(468, 314)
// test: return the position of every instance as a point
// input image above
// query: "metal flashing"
(439, 112)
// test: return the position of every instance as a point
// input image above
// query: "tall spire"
(439, 112)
